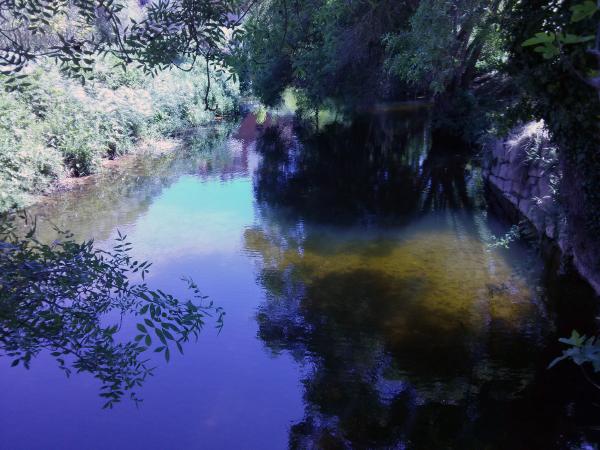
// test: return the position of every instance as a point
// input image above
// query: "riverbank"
(66, 131)
(524, 178)
(144, 149)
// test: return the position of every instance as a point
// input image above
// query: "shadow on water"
(377, 170)
(411, 331)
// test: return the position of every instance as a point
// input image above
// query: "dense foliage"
(55, 127)
(553, 61)
(355, 53)
(326, 50)
(156, 36)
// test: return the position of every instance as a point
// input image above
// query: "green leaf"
(576, 340)
(583, 10)
(539, 38)
(160, 336)
(576, 39)
(548, 51)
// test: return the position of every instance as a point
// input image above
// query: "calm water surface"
(364, 308)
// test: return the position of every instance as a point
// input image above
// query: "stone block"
(517, 188)
(517, 155)
(510, 197)
(544, 187)
(525, 205)
(504, 171)
(498, 150)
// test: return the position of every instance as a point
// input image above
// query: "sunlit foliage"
(75, 32)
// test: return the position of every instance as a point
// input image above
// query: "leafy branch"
(551, 44)
(56, 297)
(582, 350)
(74, 33)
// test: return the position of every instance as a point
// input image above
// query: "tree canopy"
(151, 35)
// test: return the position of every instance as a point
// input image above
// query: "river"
(365, 307)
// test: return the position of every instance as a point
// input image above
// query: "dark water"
(365, 308)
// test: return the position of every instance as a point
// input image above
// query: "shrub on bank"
(54, 126)
(26, 165)
(179, 100)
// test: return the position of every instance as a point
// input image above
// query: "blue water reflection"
(194, 227)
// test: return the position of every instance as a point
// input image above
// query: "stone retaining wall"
(522, 173)
(523, 169)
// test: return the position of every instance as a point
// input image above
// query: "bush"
(64, 128)
(178, 100)
(114, 77)
(26, 166)
(76, 136)
(84, 136)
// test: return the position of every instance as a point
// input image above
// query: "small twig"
(588, 378)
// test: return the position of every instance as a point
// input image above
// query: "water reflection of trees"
(383, 365)
(398, 349)
(382, 167)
